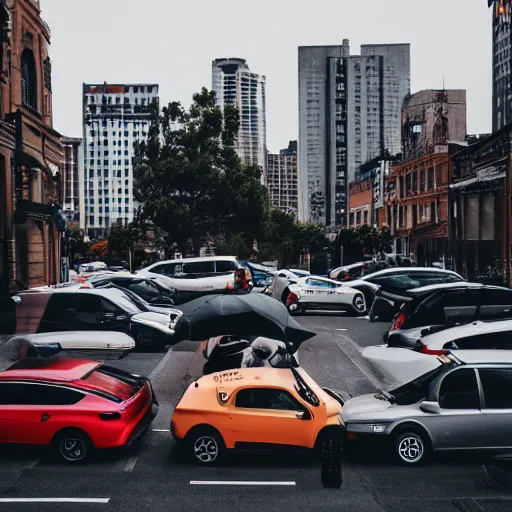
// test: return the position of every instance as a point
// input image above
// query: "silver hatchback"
(464, 404)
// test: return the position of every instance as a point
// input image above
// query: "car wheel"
(206, 446)
(411, 447)
(72, 446)
(358, 304)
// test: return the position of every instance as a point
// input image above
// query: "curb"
(160, 365)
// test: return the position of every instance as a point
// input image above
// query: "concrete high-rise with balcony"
(349, 113)
(72, 177)
(235, 84)
(115, 117)
(281, 179)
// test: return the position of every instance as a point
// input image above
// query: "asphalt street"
(155, 476)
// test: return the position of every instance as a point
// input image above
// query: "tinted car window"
(167, 269)
(58, 304)
(430, 278)
(144, 289)
(261, 398)
(495, 340)
(496, 304)
(199, 267)
(459, 390)
(496, 383)
(417, 390)
(225, 266)
(318, 283)
(37, 394)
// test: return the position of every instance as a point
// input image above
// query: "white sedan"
(320, 293)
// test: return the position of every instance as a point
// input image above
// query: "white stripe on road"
(54, 500)
(237, 482)
(130, 464)
(161, 430)
(342, 329)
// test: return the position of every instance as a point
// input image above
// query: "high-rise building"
(235, 84)
(349, 113)
(72, 177)
(281, 179)
(115, 116)
(501, 63)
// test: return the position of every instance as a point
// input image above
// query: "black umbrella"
(239, 315)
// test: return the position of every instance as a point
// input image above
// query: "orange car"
(255, 408)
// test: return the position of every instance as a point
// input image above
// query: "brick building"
(360, 204)
(416, 208)
(30, 151)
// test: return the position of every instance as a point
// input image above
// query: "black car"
(450, 305)
(152, 291)
(88, 309)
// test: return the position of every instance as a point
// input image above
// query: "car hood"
(362, 406)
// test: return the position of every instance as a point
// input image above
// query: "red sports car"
(73, 405)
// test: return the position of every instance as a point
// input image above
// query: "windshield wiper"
(384, 394)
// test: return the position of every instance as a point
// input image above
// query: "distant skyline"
(174, 43)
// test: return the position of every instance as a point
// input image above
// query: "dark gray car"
(464, 404)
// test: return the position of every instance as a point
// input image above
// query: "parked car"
(462, 404)
(93, 266)
(396, 362)
(152, 290)
(111, 309)
(102, 344)
(195, 277)
(320, 293)
(261, 276)
(389, 286)
(73, 406)
(254, 408)
(282, 281)
(348, 272)
(452, 304)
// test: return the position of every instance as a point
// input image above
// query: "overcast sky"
(172, 43)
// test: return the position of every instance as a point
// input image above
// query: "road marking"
(130, 464)
(363, 317)
(161, 430)
(342, 329)
(54, 500)
(238, 482)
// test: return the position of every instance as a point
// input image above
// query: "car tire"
(72, 446)
(206, 446)
(359, 305)
(331, 446)
(411, 447)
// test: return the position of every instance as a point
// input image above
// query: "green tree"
(189, 180)
(120, 240)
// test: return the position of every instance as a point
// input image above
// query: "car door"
(95, 312)
(497, 408)
(30, 412)
(496, 304)
(269, 416)
(60, 313)
(460, 423)
(318, 291)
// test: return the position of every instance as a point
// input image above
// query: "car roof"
(396, 270)
(484, 356)
(450, 286)
(463, 331)
(193, 260)
(55, 370)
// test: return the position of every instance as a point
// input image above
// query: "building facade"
(281, 179)
(501, 63)
(349, 113)
(72, 177)
(30, 151)
(361, 204)
(114, 118)
(235, 84)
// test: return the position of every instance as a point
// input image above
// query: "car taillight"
(292, 299)
(398, 322)
(420, 347)
(109, 416)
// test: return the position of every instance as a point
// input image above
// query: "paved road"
(154, 476)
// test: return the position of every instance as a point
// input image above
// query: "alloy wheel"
(359, 303)
(411, 448)
(206, 449)
(73, 449)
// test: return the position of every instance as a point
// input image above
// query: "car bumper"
(143, 424)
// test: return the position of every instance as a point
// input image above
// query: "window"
(266, 398)
(495, 340)
(496, 384)
(28, 79)
(459, 390)
(37, 394)
(496, 304)
(200, 267)
(318, 283)
(169, 269)
(225, 266)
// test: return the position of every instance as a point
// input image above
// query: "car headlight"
(378, 429)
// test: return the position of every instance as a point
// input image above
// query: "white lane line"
(160, 430)
(342, 329)
(54, 500)
(238, 482)
(130, 464)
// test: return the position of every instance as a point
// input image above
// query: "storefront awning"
(478, 179)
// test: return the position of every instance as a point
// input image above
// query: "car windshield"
(135, 300)
(126, 301)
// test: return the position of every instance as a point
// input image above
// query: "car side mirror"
(430, 407)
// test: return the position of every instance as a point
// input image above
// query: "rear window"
(225, 266)
(113, 382)
(199, 267)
